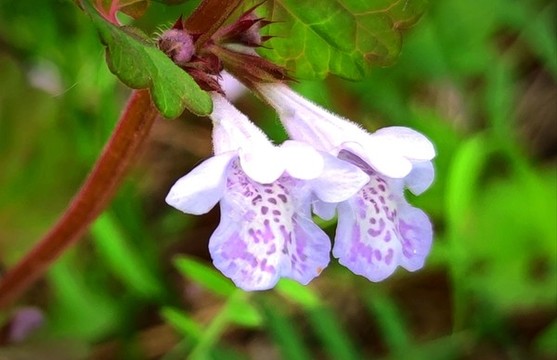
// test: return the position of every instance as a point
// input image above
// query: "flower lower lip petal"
(378, 231)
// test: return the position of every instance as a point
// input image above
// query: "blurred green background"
(478, 78)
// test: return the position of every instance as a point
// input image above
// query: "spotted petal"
(265, 233)
(377, 231)
(308, 249)
(416, 234)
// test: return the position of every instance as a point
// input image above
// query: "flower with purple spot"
(377, 229)
(265, 192)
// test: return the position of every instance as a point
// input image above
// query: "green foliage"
(344, 38)
(208, 277)
(139, 64)
(123, 259)
(286, 335)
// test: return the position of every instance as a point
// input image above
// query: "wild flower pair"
(268, 193)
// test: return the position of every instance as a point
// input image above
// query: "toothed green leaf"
(342, 37)
(139, 65)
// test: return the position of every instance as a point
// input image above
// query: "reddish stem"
(208, 18)
(98, 189)
(102, 183)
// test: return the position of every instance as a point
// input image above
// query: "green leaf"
(389, 321)
(335, 340)
(298, 293)
(323, 320)
(242, 312)
(343, 37)
(182, 322)
(205, 276)
(286, 335)
(118, 253)
(139, 65)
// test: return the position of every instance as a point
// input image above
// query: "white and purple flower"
(377, 229)
(265, 192)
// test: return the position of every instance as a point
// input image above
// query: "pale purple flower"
(265, 192)
(377, 229)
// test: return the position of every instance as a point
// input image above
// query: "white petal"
(339, 181)
(309, 122)
(406, 142)
(232, 129)
(302, 161)
(421, 177)
(232, 87)
(263, 164)
(382, 160)
(198, 191)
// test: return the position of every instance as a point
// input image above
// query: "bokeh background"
(478, 78)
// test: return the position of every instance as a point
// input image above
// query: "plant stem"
(101, 184)
(208, 18)
(95, 194)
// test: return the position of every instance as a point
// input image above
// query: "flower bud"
(178, 45)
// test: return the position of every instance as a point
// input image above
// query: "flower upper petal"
(262, 163)
(389, 151)
(387, 163)
(302, 161)
(199, 191)
(404, 141)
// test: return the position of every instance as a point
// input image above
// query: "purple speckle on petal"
(256, 199)
(264, 210)
(267, 268)
(272, 249)
(236, 248)
(376, 232)
(389, 257)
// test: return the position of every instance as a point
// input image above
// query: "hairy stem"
(102, 183)
(208, 18)
(98, 189)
